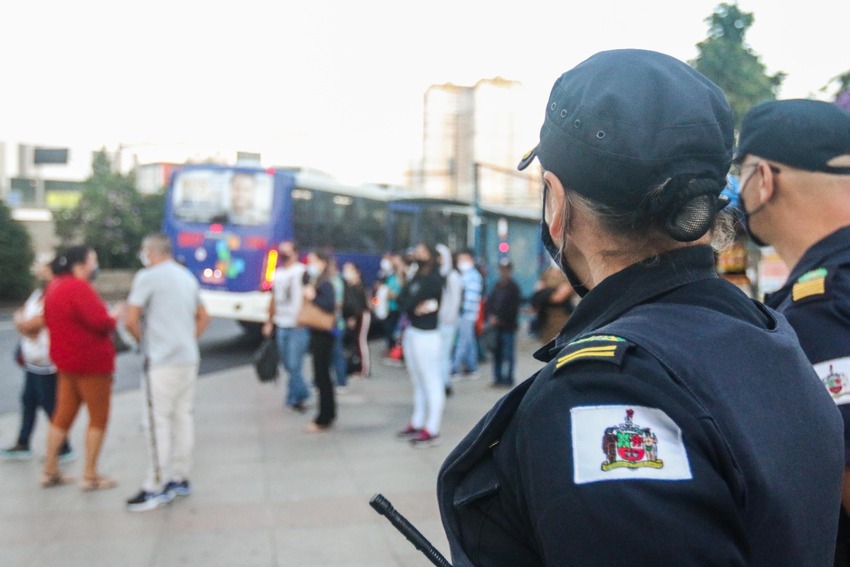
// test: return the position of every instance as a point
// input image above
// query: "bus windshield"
(223, 196)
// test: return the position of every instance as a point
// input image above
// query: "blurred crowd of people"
(424, 305)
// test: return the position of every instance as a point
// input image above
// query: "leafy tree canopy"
(111, 217)
(16, 257)
(725, 58)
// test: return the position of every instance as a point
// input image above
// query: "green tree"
(109, 216)
(153, 211)
(725, 58)
(16, 257)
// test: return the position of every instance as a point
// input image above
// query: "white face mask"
(464, 266)
(313, 270)
(386, 266)
(144, 259)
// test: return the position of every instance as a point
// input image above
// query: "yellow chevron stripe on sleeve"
(598, 352)
(807, 289)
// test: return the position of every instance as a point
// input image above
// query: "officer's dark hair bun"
(687, 206)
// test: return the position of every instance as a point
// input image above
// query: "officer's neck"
(804, 213)
(595, 255)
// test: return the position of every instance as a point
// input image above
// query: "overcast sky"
(338, 85)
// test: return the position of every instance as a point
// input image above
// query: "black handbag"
(266, 360)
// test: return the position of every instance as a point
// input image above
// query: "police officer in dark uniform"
(794, 157)
(676, 422)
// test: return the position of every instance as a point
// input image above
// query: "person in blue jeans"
(465, 358)
(292, 340)
(502, 314)
(39, 389)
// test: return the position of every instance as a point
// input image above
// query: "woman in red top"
(81, 347)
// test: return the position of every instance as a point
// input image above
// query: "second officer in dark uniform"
(676, 421)
(794, 157)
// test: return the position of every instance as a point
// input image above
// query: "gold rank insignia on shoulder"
(810, 284)
(608, 348)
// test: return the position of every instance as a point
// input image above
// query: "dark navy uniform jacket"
(677, 422)
(816, 301)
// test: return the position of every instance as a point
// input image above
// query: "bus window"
(250, 198)
(223, 196)
(302, 218)
(447, 228)
(324, 220)
(402, 227)
(339, 222)
(198, 196)
(372, 218)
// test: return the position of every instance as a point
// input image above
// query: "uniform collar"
(632, 286)
(819, 253)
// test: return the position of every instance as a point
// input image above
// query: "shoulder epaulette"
(810, 284)
(605, 348)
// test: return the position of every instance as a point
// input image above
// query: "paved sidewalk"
(265, 493)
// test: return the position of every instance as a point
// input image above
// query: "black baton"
(384, 508)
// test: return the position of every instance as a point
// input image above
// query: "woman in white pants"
(419, 300)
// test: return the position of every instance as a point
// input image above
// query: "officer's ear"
(557, 213)
(767, 180)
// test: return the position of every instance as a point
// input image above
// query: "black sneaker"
(145, 500)
(67, 455)
(179, 488)
(16, 453)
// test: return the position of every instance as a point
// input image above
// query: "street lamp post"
(476, 213)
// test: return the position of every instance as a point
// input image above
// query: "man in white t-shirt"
(292, 340)
(166, 316)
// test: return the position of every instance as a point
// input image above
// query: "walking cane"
(151, 421)
(384, 508)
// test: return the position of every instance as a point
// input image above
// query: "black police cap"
(812, 135)
(625, 121)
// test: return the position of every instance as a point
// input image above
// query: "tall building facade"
(473, 138)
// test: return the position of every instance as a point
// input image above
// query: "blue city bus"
(226, 222)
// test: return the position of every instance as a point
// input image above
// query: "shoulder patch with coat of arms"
(646, 445)
(607, 348)
(834, 376)
(810, 284)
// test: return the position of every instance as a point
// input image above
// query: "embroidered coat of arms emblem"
(835, 382)
(630, 446)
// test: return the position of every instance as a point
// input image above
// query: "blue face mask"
(555, 253)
